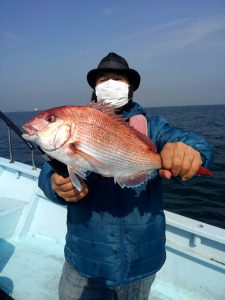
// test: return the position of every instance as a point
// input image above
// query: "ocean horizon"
(36, 110)
(201, 198)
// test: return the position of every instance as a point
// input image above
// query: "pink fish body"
(94, 138)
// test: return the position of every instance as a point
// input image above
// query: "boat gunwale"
(174, 220)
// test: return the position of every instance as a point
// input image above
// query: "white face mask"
(112, 92)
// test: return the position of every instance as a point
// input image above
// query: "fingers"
(180, 159)
(73, 195)
(172, 157)
(167, 156)
(64, 188)
(59, 180)
(165, 174)
(188, 173)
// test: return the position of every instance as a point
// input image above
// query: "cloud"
(195, 32)
(106, 11)
(184, 35)
(170, 36)
(8, 37)
(128, 37)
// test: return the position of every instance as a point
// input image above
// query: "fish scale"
(115, 154)
(113, 146)
(94, 138)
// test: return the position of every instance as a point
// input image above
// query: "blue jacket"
(115, 236)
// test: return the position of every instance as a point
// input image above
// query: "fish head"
(50, 129)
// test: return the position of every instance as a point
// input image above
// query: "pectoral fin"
(75, 181)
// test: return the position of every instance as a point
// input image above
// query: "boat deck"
(32, 235)
(34, 269)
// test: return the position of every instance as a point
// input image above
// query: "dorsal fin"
(106, 108)
(109, 110)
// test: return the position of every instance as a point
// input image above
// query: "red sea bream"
(94, 138)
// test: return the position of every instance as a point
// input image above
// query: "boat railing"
(12, 127)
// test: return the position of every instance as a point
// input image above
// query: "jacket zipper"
(122, 249)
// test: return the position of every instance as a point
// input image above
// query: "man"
(115, 242)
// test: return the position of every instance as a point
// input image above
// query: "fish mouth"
(30, 131)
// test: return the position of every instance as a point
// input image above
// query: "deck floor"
(34, 268)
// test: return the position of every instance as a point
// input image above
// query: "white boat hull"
(32, 234)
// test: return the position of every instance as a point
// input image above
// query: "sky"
(47, 48)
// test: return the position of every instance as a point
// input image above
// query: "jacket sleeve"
(161, 133)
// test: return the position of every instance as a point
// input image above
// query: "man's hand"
(64, 188)
(180, 160)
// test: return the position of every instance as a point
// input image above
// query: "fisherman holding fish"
(116, 157)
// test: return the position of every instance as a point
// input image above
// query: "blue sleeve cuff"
(161, 133)
(45, 184)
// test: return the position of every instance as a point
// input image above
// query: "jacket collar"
(134, 109)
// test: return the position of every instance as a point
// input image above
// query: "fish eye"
(50, 118)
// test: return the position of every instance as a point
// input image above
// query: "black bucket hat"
(114, 63)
